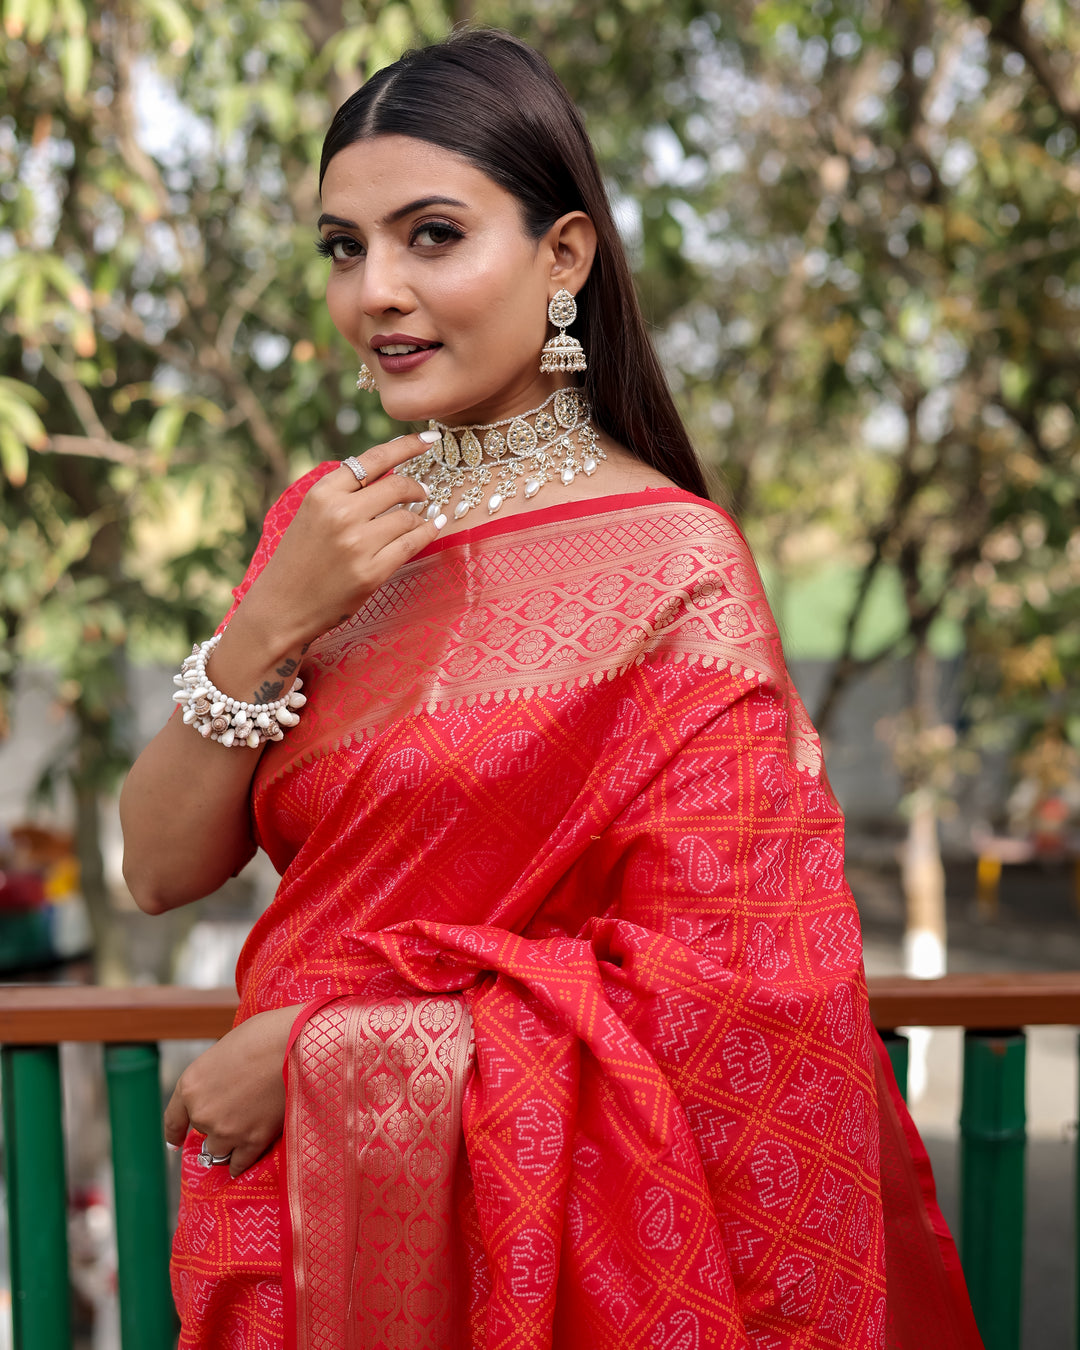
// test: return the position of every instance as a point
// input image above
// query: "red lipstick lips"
(398, 362)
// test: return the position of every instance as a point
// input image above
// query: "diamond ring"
(356, 469)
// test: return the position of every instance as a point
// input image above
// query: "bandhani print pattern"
(621, 856)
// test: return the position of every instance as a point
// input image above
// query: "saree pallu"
(554, 778)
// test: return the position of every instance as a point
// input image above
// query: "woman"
(562, 966)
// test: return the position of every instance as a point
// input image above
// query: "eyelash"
(325, 246)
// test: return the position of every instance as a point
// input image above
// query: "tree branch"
(91, 447)
(242, 305)
(81, 402)
(1007, 24)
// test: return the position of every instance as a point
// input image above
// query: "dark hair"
(495, 101)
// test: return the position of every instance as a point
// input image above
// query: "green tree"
(897, 322)
(167, 365)
(853, 226)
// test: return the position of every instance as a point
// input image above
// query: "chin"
(418, 402)
(407, 406)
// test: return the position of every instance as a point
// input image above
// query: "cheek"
(496, 304)
(343, 313)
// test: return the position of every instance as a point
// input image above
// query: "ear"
(571, 243)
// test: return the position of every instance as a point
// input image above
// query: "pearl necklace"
(524, 446)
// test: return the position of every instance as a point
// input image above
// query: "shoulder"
(715, 604)
(668, 517)
(713, 611)
(673, 566)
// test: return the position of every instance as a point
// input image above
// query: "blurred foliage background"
(855, 232)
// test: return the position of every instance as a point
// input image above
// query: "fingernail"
(427, 490)
(430, 437)
(173, 1148)
(440, 521)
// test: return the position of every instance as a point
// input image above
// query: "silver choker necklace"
(535, 446)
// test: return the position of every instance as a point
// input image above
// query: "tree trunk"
(922, 872)
(111, 964)
(923, 878)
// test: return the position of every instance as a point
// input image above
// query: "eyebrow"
(419, 205)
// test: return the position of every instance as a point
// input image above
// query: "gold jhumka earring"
(365, 380)
(562, 353)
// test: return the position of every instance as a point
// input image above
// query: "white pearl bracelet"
(230, 722)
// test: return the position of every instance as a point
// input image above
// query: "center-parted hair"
(496, 102)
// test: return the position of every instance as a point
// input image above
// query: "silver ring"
(356, 469)
(207, 1159)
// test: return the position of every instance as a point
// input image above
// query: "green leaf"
(20, 428)
(11, 271)
(165, 427)
(14, 459)
(65, 280)
(30, 301)
(1015, 382)
(75, 58)
(346, 51)
(18, 389)
(396, 28)
(39, 18)
(16, 13)
(172, 22)
(232, 108)
(72, 16)
(278, 105)
(17, 402)
(209, 412)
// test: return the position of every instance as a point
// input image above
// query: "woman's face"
(434, 281)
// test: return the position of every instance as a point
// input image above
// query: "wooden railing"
(131, 1022)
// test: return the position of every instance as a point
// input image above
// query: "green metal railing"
(993, 1141)
(993, 1144)
(37, 1195)
(130, 1023)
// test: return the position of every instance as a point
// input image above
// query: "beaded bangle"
(230, 722)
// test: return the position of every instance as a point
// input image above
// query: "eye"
(338, 247)
(435, 234)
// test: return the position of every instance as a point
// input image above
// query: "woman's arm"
(185, 807)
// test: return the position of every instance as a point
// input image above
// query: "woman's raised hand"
(343, 543)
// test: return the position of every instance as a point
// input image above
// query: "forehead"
(373, 177)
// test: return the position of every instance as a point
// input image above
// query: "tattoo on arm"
(288, 667)
(269, 690)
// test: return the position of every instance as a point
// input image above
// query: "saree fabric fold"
(553, 784)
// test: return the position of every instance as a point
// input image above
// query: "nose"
(383, 286)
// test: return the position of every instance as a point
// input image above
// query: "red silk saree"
(584, 1057)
